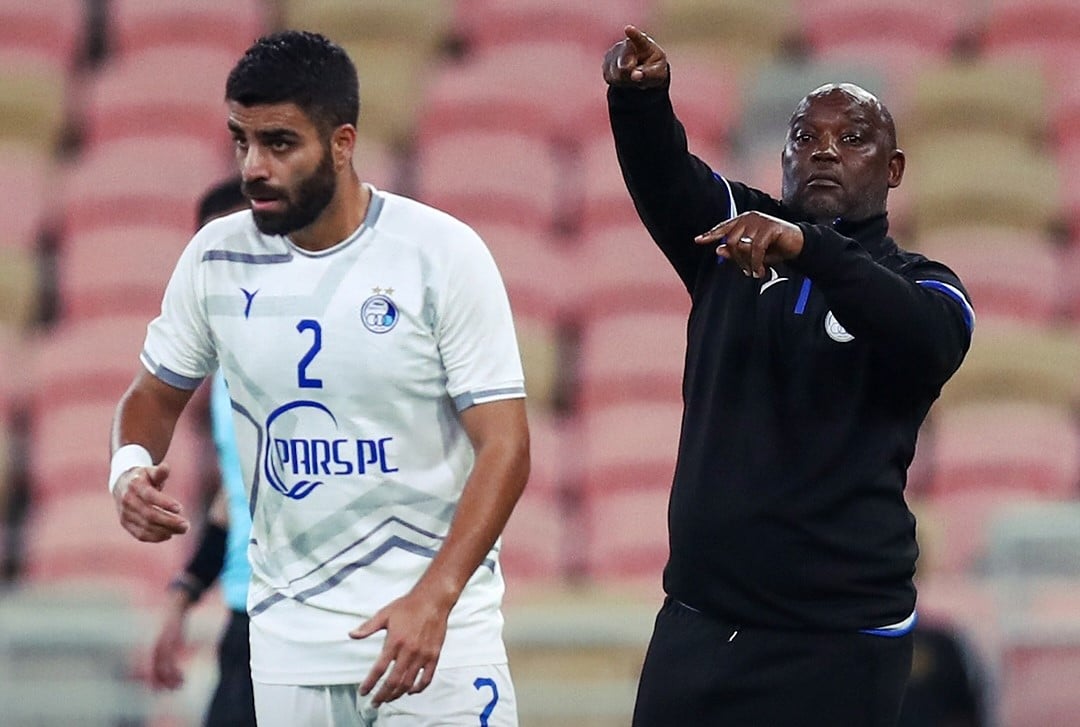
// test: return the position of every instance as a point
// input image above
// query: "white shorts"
(467, 696)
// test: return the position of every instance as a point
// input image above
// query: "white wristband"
(123, 459)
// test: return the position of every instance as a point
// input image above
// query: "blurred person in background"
(378, 404)
(221, 550)
(815, 348)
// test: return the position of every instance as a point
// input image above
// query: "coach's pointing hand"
(636, 61)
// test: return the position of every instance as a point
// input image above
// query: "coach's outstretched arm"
(141, 432)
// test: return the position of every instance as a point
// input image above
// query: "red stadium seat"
(135, 25)
(992, 444)
(507, 177)
(147, 180)
(627, 460)
(26, 205)
(484, 23)
(537, 538)
(53, 28)
(563, 99)
(1039, 28)
(93, 359)
(140, 92)
(91, 283)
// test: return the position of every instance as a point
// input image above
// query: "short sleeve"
(178, 348)
(475, 328)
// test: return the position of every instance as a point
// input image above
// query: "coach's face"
(840, 159)
(285, 164)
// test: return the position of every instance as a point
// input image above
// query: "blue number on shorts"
(301, 368)
(480, 684)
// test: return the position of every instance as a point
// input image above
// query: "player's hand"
(754, 241)
(145, 511)
(415, 626)
(165, 672)
(636, 61)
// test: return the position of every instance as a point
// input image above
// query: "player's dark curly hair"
(300, 67)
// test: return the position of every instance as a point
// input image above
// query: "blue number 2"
(480, 684)
(302, 379)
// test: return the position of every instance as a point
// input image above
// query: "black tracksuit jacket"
(803, 394)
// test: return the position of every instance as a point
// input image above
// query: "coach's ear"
(342, 143)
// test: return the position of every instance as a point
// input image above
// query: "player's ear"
(342, 143)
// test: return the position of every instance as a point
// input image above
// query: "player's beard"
(302, 206)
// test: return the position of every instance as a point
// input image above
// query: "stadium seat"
(896, 38)
(393, 79)
(602, 199)
(537, 538)
(1013, 360)
(1038, 680)
(629, 444)
(628, 458)
(738, 33)
(34, 97)
(134, 25)
(377, 163)
(508, 177)
(26, 175)
(636, 355)
(1035, 28)
(977, 96)
(68, 452)
(91, 283)
(140, 93)
(535, 267)
(619, 269)
(484, 23)
(53, 28)
(995, 444)
(1030, 287)
(425, 24)
(91, 359)
(151, 180)
(78, 539)
(959, 524)
(475, 93)
(956, 179)
(20, 288)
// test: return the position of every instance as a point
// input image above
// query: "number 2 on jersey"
(302, 379)
(490, 707)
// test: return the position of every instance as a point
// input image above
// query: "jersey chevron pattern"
(346, 369)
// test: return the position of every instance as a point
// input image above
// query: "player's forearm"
(147, 415)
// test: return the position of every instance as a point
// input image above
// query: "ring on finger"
(746, 240)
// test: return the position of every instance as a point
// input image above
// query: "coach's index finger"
(636, 60)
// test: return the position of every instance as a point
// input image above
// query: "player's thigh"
(469, 696)
(287, 705)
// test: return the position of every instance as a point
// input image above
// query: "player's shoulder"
(410, 218)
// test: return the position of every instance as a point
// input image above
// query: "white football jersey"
(346, 368)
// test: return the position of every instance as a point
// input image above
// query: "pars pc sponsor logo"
(295, 465)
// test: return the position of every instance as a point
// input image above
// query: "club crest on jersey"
(303, 447)
(379, 314)
(835, 331)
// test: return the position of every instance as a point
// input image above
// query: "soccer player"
(378, 402)
(222, 549)
(815, 348)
